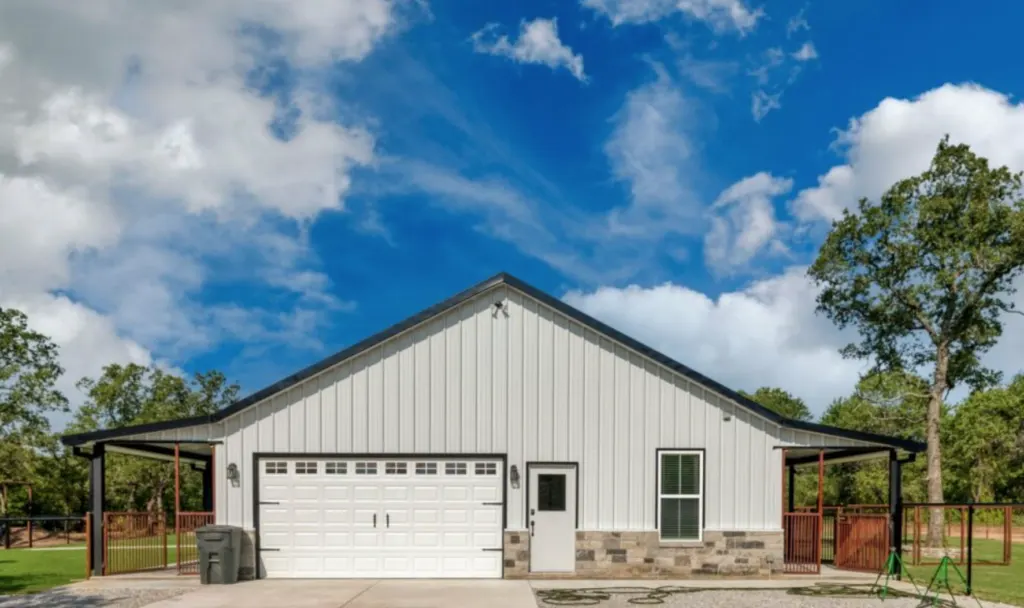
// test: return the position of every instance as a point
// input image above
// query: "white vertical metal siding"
(536, 385)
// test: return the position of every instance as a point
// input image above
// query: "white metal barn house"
(499, 433)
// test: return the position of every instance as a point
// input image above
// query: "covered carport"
(124, 542)
(856, 539)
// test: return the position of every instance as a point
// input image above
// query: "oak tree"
(925, 275)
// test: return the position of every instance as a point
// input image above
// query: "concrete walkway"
(358, 594)
(180, 592)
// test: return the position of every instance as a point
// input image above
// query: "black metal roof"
(441, 307)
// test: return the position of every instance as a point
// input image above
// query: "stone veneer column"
(516, 554)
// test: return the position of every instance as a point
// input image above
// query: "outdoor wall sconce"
(513, 476)
(233, 474)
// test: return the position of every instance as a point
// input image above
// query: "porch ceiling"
(808, 456)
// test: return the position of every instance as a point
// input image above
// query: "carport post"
(896, 509)
(97, 489)
(208, 484)
(792, 488)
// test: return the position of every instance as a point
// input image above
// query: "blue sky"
(302, 175)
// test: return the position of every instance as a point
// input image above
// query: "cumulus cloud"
(763, 335)
(720, 15)
(743, 222)
(130, 159)
(897, 139)
(766, 334)
(538, 43)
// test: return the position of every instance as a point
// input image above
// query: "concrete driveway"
(358, 594)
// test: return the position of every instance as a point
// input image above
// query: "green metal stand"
(940, 580)
(890, 570)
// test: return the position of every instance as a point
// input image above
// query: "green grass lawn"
(34, 570)
(994, 583)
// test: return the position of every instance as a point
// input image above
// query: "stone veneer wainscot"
(644, 555)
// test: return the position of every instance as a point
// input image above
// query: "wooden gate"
(801, 543)
(133, 542)
(188, 552)
(862, 541)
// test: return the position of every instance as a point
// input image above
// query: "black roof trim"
(533, 292)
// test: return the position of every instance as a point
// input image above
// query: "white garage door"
(372, 518)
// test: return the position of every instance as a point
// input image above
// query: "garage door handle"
(531, 527)
(374, 520)
(387, 519)
(493, 504)
(268, 502)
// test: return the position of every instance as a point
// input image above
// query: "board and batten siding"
(536, 385)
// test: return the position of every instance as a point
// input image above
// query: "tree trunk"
(936, 519)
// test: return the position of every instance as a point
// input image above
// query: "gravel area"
(66, 597)
(819, 598)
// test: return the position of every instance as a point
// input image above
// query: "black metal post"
(970, 546)
(896, 509)
(97, 494)
(208, 487)
(791, 500)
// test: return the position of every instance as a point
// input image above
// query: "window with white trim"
(275, 467)
(335, 468)
(681, 495)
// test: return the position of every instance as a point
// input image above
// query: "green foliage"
(126, 395)
(28, 377)
(924, 276)
(986, 445)
(926, 272)
(887, 403)
(780, 402)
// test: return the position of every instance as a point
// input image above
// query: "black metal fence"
(41, 530)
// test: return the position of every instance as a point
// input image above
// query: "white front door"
(552, 517)
(402, 517)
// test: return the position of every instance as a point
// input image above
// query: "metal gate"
(133, 542)
(862, 541)
(188, 552)
(801, 543)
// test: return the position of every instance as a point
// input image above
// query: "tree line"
(923, 278)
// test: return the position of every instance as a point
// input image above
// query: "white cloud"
(709, 74)
(651, 150)
(131, 161)
(743, 222)
(897, 139)
(806, 52)
(720, 15)
(762, 102)
(538, 43)
(764, 334)
(797, 23)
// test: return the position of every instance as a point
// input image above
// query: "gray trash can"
(220, 548)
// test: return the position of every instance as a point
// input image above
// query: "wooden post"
(29, 517)
(177, 502)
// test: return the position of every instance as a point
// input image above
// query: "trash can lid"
(217, 528)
